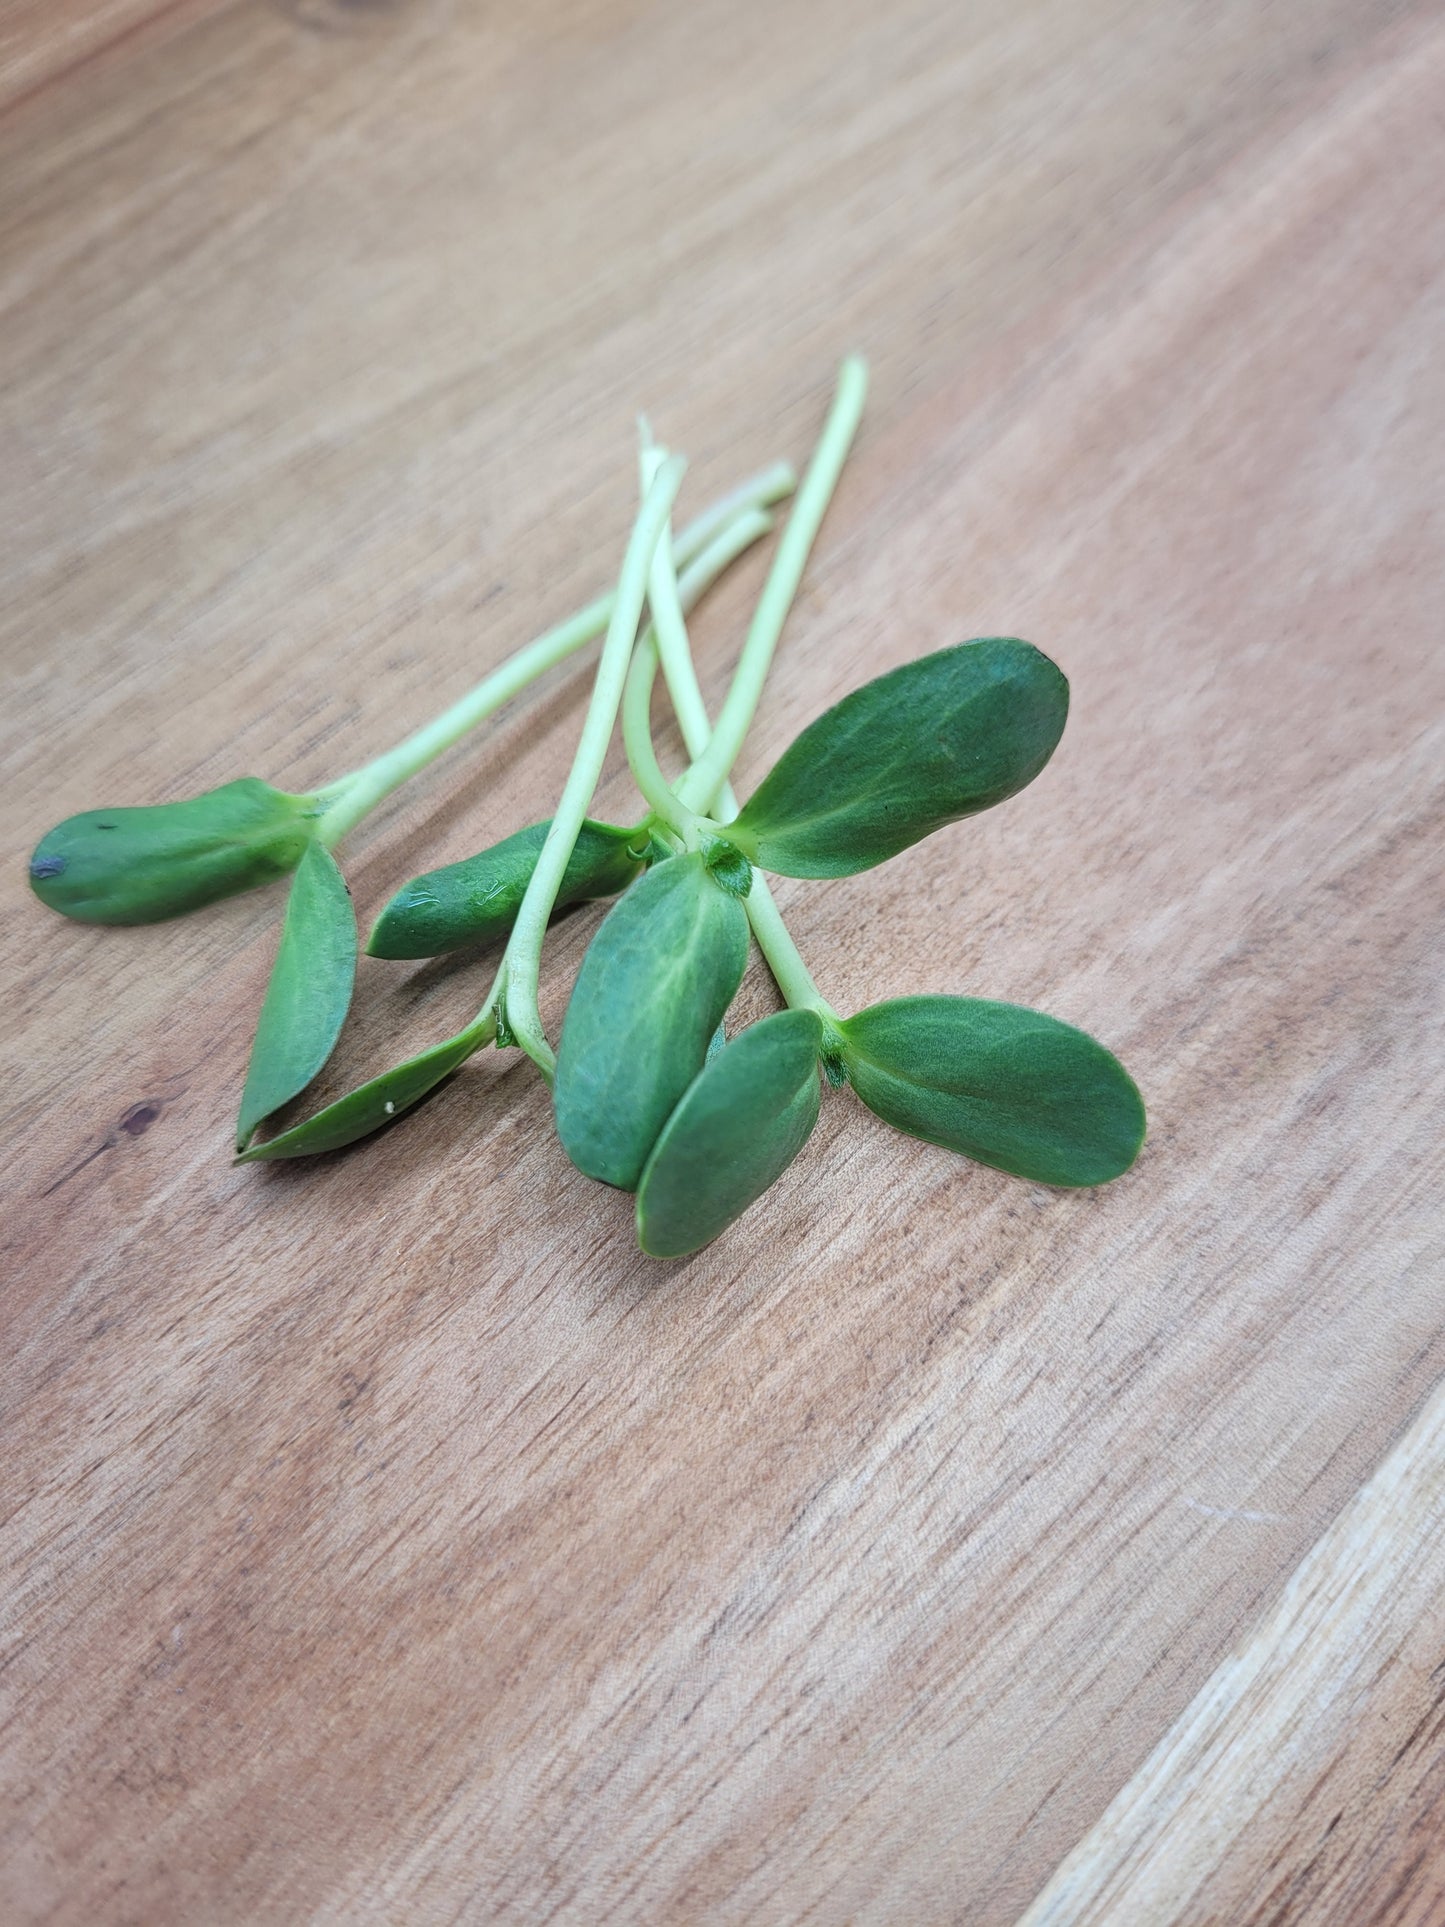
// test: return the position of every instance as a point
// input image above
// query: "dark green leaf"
(1007, 1086)
(743, 1120)
(309, 992)
(652, 989)
(476, 900)
(920, 747)
(370, 1106)
(163, 859)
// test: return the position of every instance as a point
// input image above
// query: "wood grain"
(42, 42)
(1285, 1792)
(385, 1539)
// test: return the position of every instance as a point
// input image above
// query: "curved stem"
(517, 978)
(761, 491)
(703, 782)
(783, 957)
(664, 597)
(347, 800)
(671, 645)
(731, 541)
(657, 793)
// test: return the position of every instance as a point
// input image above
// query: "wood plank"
(43, 41)
(1307, 1779)
(386, 1539)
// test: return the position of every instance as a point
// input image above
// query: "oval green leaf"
(309, 993)
(163, 859)
(922, 746)
(1004, 1085)
(476, 901)
(742, 1121)
(653, 987)
(372, 1106)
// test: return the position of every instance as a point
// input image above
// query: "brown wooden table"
(384, 1540)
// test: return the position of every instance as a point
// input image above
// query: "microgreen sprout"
(649, 1092)
(1003, 1085)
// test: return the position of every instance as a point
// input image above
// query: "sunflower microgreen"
(650, 1092)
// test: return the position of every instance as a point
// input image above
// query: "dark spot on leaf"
(47, 866)
(107, 826)
(139, 1118)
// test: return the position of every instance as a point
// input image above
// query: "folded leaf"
(742, 1121)
(163, 859)
(309, 993)
(653, 987)
(373, 1105)
(936, 740)
(476, 900)
(1007, 1086)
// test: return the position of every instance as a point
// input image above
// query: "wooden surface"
(1237, 1814)
(383, 1539)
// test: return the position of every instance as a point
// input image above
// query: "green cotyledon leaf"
(936, 740)
(476, 900)
(654, 985)
(1007, 1086)
(163, 859)
(742, 1121)
(309, 993)
(373, 1105)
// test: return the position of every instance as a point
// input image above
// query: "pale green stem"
(785, 960)
(663, 595)
(636, 701)
(657, 792)
(727, 545)
(760, 491)
(703, 782)
(669, 627)
(346, 801)
(521, 961)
